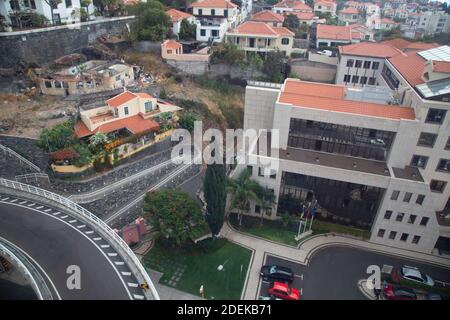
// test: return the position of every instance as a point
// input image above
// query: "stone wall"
(189, 67)
(234, 72)
(148, 46)
(47, 44)
(313, 71)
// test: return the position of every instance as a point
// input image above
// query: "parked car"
(394, 292)
(283, 291)
(277, 273)
(327, 53)
(414, 274)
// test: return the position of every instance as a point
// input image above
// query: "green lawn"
(275, 231)
(189, 268)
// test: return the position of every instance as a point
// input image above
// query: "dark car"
(394, 292)
(277, 273)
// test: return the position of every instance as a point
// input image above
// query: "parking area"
(333, 273)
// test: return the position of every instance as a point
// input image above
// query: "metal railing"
(93, 219)
(32, 176)
(17, 258)
(19, 157)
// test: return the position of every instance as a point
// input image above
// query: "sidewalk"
(306, 250)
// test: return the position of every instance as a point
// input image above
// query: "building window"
(366, 64)
(225, 13)
(416, 239)
(68, 3)
(372, 81)
(427, 139)
(125, 110)
(392, 235)
(363, 80)
(48, 84)
(437, 185)
(33, 4)
(419, 161)
(148, 106)
(358, 63)
(214, 33)
(404, 237)
(447, 144)
(213, 12)
(257, 209)
(350, 62)
(347, 78)
(355, 79)
(388, 214)
(443, 165)
(381, 233)
(285, 41)
(202, 32)
(260, 172)
(424, 221)
(200, 12)
(412, 218)
(118, 78)
(394, 195)
(375, 65)
(407, 197)
(399, 217)
(435, 116)
(420, 199)
(14, 4)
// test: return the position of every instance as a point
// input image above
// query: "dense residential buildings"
(177, 16)
(67, 11)
(349, 15)
(269, 17)
(378, 166)
(325, 6)
(332, 36)
(291, 6)
(429, 23)
(260, 37)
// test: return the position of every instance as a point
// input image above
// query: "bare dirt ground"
(26, 116)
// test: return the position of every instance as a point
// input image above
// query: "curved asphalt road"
(55, 243)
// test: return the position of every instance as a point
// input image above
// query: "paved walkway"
(168, 293)
(307, 248)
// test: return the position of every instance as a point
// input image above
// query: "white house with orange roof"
(269, 17)
(332, 36)
(177, 17)
(325, 6)
(214, 18)
(287, 6)
(126, 117)
(388, 24)
(259, 37)
(349, 15)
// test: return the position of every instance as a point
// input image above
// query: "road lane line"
(22, 202)
(72, 221)
(63, 217)
(39, 208)
(125, 273)
(97, 239)
(119, 263)
(56, 213)
(112, 254)
(105, 246)
(138, 296)
(47, 210)
(31, 204)
(89, 232)
(12, 201)
(132, 284)
(81, 226)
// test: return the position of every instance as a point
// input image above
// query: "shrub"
(187, 120)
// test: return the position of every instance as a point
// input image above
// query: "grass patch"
(196, 265)
(319, 227)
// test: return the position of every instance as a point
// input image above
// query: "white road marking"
(22, 202)
(56, 213)
(72, 221)
(40, 207)
(131, 284)
(97, 239)
(125, 273)
(47, 210)
(138, 296)
(299, 276)
(81, 226)
(12, 201)
(119, 263)
(5, 199)
(112, 254)
(105, 246)
(301, 291)
(32, 204)
(89, 232)
(265, 281)
(63, 217)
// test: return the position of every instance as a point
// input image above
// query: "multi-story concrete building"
(259, 37)
(214, 18)
(65, 12)
(361, 163)
(431, 23)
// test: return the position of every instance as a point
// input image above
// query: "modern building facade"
(360, 163)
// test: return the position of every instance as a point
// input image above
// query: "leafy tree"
(266, 198)
(174, 215)
(291, 22)
(273, 65)
(188, 31)
(227, 53)
(215, 196)
(187, 119)
(109, 7)
(58, 137)
(84, 154)
(98, 139)
(243, 190)
(152, 23)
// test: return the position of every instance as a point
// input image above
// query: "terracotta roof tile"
(398, 43)
(213, 4)
(136, 124)
(177, 15)
(349, 10)
(293, 4)
(121, 99)
(172, 44)
(260, 28)
(333, 32)
(304, 15)
(369, 49)
(410, 65)
(330, 98)
(282, 31)
(441, 66)
(268, 16)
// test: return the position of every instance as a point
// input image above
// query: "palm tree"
(266, 199)
(242, 190)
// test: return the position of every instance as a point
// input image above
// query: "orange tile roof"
(387, 21)
(293, 4)
(333, 32)
(267, 15)
(120, 99)
(171, 44)
(369, 49)
(410, 65)
(349, 10)
(260, 28)
(144, 95)
(331, 98)
(441, 66)
(325, 2)
(304, 15)
(398, 43)
(136, 124)
(421, 46)
(213, 4)
(177, 15)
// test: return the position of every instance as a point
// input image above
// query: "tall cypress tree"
(215, 196)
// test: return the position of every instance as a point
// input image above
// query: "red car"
(283, 291)
(394, 292)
